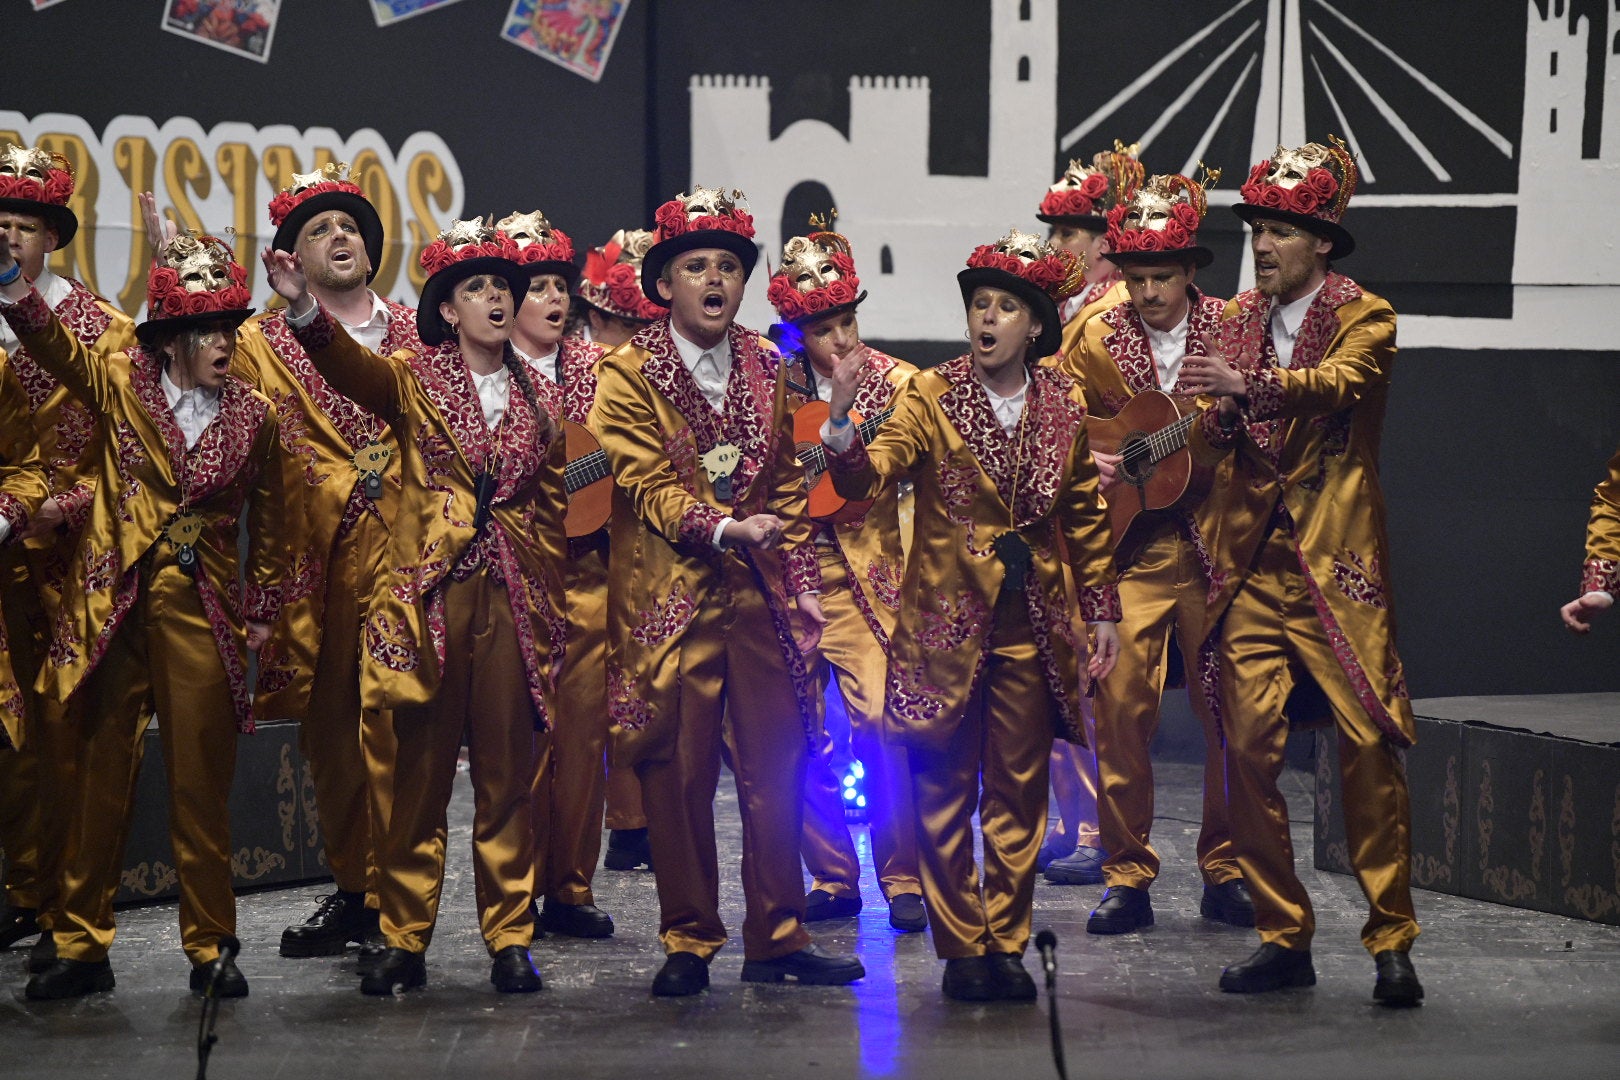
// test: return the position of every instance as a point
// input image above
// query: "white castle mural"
(911, 229)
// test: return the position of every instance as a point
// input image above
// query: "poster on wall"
(243, 27)
(578, 34)
(392, 11)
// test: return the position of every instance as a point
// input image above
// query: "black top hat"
(333, 197)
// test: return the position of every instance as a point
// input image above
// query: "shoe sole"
(1070, 877)
(1295, 981)
(763, 972)
(826, 916)
(102, 982)
(518, 988)
(975, 996)
(1398, 997)
(372, 988)
(1215, 914)
(1117, 926)
(907, 927)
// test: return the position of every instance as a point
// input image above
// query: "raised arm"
(862, 472)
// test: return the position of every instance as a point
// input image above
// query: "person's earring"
(455, 330)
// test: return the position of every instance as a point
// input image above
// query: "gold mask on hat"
(526, 229)
(808, 262)
(331, 172)
(203, 267)
(1073, 177)
(32, 163)
(461, 233)
(705, 202)
(1290, 167)
(1025, 245)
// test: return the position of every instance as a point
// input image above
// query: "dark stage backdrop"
(1483, 129)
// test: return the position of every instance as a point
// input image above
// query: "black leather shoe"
(968, 978)
(70, 979)
(42, 955)
(1124, 908)
(338, 919)
(1272, 967)
(576, 920)
(819, 905)
(809, 965)
(1397, 983)
(628, 849)
(906, 912)
(513, 971)
(399, 970)
(1083, 866)
(1011, 981)
(372, 950)
(16, 923)
(1229, 902)
(231, 984)
(682, 975)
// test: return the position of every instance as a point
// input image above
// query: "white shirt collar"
(1169, 349)
(494, 392)
(1292, 316)
(1008, 409)
(691, 353)
(193, 409)
(545, 365)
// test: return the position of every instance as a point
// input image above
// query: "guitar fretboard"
(814, 458)
(1161, 444)
(585, 471)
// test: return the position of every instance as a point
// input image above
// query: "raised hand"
(848, 371)
(159, 230)
(286, 276)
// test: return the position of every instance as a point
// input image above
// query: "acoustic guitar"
(1156, 469)
(588, 480)
(825, 502)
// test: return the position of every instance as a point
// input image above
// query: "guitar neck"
(814, 458)
(1170, 438)
(586, 470)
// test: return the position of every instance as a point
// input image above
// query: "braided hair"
(520, 375)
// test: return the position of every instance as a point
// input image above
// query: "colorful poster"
(578, 34)
(243, 27)
(392, 11)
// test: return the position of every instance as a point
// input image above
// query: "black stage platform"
(1509, 992)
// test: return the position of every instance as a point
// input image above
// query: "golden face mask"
(526, 229)
(1073, 177)
(203, 267)
(461, 233)
(1149, 210)
(31, 163)
(1290, 167)
(808, 264)
(1026, 246)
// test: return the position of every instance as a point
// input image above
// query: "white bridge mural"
(911, 229)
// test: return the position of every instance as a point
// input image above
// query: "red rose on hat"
(198, 303)
(1095, 186)
(816, 301)
(671, 219)
(840, 292)
(1175, 236)
(58, 186)
(622, 274)
(1186, 214)
(162, 279)
(1321, 181)
(1273, 197)
(1302, 200)
(236, 296)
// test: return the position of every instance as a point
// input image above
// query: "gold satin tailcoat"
(1104, 296)
(145, 476)
(325, 439)
(22, 489)
(944, 436)
(429, 400)
(1602, 568)
(656, 428)
(1309, 440)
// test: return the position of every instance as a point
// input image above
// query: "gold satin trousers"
(1163, 595)
(338, 737)
(624, 809)
(849, 654)
(162, 658)
(1271, 635)
(996, 762)
(737, 702)
(484, 695)
(570, 779)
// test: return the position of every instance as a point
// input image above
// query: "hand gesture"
(1214, 373)
(1107, 468)
(848, 371)
(759, 531)
(286, 276)
(44, 521)
(1578, 613)
(159, 230)
(807, 632)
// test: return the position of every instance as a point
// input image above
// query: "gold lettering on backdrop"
(224, 177)
(136, 162)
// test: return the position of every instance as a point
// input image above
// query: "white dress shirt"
(193, 409)
(1286, 319)
(494, 392)
(53, 288)
(1008, 409)
(545, 366)
(1169, 347)
(371, 332)
(710, 368)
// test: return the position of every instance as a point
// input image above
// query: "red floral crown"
(166, 294)
(305, 186)
(1163, 215)
(54, 185)
(1323, 190)
(465, 240)
(1083, 190)
(612, 277)
(824, 257)
(1053, 270)
(705, 208)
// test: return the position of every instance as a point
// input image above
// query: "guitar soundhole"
(805, 453)
(1136, 466)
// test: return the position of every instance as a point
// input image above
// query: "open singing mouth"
(714, 302)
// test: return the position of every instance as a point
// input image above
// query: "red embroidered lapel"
(577, 363)
(84, 317)
(448, 384)
(1321, 323)
(221, 451)
(876, 391)
(1129, 349)
(967, 407)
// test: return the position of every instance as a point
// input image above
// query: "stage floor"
(1509, 992)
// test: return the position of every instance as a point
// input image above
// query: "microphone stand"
(1046, 942)
(206, 1038)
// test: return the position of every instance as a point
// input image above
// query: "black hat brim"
(1094, 222)
(1343, 242)
(1198, 255)
(836, 309)
(1044, 307)
(151, 330)
(652, 266)
(60, 218)
(356, 206)
(430, 325)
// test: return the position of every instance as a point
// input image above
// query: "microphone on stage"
(1046, 942)
(229, 947)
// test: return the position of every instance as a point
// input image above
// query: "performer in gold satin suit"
(1600, 576)
(341, 474)
(1076, 210)
(36, 218)
(151, 618)
(1134, 347)
(983, 665)
(816, 293)
(704, 660)
(612, 310)
(570, 775)
(465, 631)
(22, 491)
(1300, 590)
